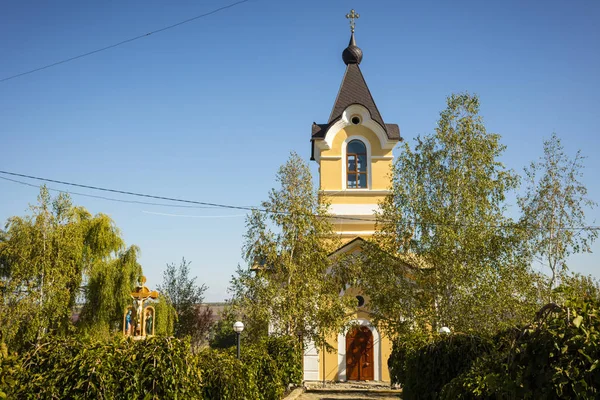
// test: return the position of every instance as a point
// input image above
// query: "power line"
(104, 197)
(150, 196)
(247, 208)
(124, 41)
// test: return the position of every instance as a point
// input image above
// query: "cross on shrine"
(352, 16)
(142, 292)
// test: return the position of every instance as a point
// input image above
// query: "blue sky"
(241, 89)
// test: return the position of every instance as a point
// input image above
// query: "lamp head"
(238, 327)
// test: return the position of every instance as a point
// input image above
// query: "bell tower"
(354, 150)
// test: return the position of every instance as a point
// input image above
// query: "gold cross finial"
(352, 15)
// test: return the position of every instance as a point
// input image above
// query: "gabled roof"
(356, 242)
(410, 260)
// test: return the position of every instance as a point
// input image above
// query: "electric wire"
(124, 41)
(103, 197)
(248, 208)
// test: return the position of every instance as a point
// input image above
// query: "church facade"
(354, 153)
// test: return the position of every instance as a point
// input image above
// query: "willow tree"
(48, 257)
(288, 286)
(445, 254)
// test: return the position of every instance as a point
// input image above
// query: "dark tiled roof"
(354, 90)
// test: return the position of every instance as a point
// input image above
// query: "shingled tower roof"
(354, 90)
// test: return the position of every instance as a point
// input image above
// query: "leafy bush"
(403, 349)
(271, 365)
(155, 368)
(556, 357)
(487, 376)
(424, 370)
(74, 368)
(225, 377)
(287, 354)
(10, 368)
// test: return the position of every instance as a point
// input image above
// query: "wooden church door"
(359, 355)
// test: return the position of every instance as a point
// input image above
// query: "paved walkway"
(349, 390)
(348, 396)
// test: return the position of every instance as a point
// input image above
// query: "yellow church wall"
(381, 170)
(386, 351)
(331, 174)
(368, 227)
(328, 361)
(331, 162)
(347, 197)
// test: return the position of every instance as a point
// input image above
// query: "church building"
(354, 153)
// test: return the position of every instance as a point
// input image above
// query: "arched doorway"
(359, 354)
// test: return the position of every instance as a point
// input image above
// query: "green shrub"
(403, 349)
(225, 377)
(487, 377)
(556, 357)
(287, 353)
(423, 371)
(74, 368)
(10, 369)
(270, 382)
(154, 368)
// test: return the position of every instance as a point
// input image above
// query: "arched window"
(356, 165)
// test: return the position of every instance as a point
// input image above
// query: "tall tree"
(287, 246)
(553, 208)
(47, 257)
(186, 297)
(445, 254)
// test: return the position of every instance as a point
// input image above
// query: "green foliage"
(165, 316)
(225, 377)
(270, 365)
(185, 296)
(154, 368)
(290, 287)
(108, 291)
(424, 370)
(223, 336)
(555, 357)
(578, 287)
(287, 354)
(10, 370)
(445, 254)
(404, 347)
(553, 208)
(57, 255)
(559, 357)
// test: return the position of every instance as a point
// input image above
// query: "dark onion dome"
(352, 54)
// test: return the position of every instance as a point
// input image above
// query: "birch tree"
(445, 254)
(287, 245)
(553, 207)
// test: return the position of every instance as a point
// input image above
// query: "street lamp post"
(238, 327)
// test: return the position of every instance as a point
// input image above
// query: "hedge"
(423, 370)
(555, 357)
(155, 368)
